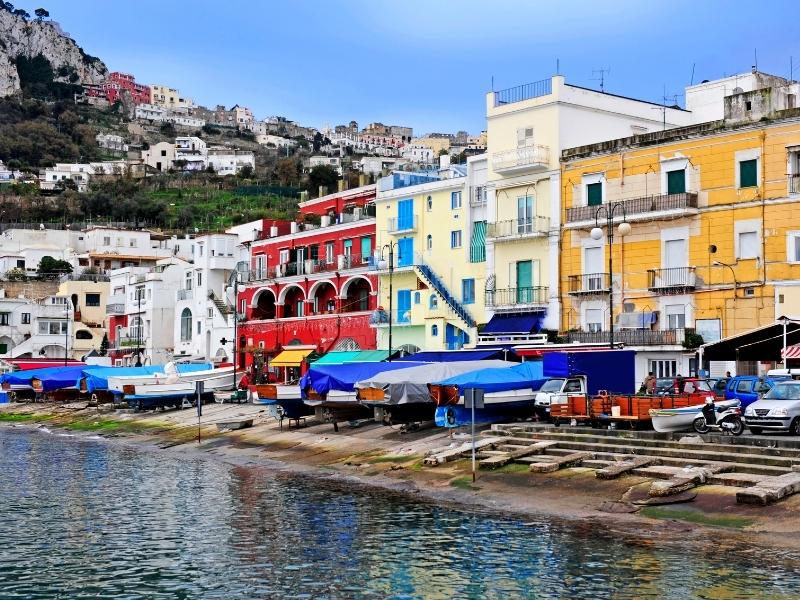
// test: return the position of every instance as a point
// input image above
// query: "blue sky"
(427, 64)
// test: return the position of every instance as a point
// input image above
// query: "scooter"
(726, 420)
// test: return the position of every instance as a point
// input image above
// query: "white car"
(778, 410)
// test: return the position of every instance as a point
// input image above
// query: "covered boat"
(404, 396)
(666, 420)
(44, 380)
(494, 353)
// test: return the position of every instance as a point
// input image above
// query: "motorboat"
(667, 420)
(173, 387)
(185, 372)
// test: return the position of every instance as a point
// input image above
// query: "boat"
(35, 382)
(172, 388)
(404, 396)
(288, 397)
(509, 393)
(668, 420)
(186, 372)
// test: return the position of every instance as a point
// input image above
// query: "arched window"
(429, 242)
(434, 330)
(186, 325)
(83, 334)
(434, 302)
(416, 297)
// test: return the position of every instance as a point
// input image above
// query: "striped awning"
(477, 245)
(792, 351)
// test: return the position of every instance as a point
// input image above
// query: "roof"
(761, 344)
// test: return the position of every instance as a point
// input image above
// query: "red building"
(114, 85)
(315, 284)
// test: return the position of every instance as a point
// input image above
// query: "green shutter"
(477, 245)
(3, 348)
(594, 194)
(748, 173)
(676, 182)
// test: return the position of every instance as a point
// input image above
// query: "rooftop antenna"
(602, 78)
(558, 67)
(692, 80)
(755, 59)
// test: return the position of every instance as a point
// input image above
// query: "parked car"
(778, 410)
(691, 385)
(748, 388)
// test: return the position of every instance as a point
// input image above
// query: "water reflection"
(90, 519)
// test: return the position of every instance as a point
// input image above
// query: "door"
(524, 274)
(525, 214)
(403, 306)
(405, 252)
(405, 214)
(592, 269)
(347, 246)
(366, 249)
(675, 262)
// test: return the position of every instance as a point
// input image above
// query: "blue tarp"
(610, 370)
(458, 355)
(514, 324)
(97, 377)
(342, 378)
(523, 375)
(52, 378)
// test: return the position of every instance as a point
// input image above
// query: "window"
(434, 331)
(300, 308)
(5, 318)
(26, 318)
(243, 307)
(748, 173)
(455, 200)
(429, 242)
(328, 253)
(594, 320)
(133, 243)
(594, 194)
(284, 256)
(4, 348)
(745, 386)
(433, 302)
(748, 244)
(429, 204)
(210, 313)
(92, 300)
(189, 280)
(83, 334)
(53, 327)
(261, 266)
(106, 241)
(455, 239)
(186, 325)
(525, 207)
(199, 278)
(417, 297)
(676, 316)
(199, 327)
(163, 153)
(468, 291)
(663, 368)
(524, 137)
(676, 182)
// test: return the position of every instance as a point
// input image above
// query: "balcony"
(522, 297)
(526, 158)
(95, 277)
(671, 281)
(380, 318)
(794, 184)
(117, 308)
(673, 204)
(477, 196)
(589, 284)
(402, 224)
(184, 295)
(526, 91)
(631, 337)
(518, 228)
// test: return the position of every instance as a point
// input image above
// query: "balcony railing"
(118, 308)
(531, 226)
(96, 277)
(521, 296)
(638, 206)
(591, 283)
(677, 279)
(523, 92)
(184, 295)
(794, 184)
(526, 157)
(631, 337)
(380, 318)
(401, 224)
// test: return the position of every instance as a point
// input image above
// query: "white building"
(243, 117)
(56, 177)
(190, 153)
(160, 156)
(184, 120)
(150, 112)
(418, 153)
(229, 162)
(33, 328)
(266, 139)
(377, 165)
(330, 161)
(111, 141)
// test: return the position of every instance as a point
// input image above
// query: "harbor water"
(96, 519)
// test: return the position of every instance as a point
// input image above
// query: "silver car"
(778, 410)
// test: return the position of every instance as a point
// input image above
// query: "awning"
(459, 355)
(516, 324)
(336, 358)
(644, 319)
(792, 351)
(371, 356)
(762, 344)
(290, 358)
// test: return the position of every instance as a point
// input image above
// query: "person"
(650, 383)
(679, 383)
(727, 374)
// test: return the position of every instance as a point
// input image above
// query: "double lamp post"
(624, 228)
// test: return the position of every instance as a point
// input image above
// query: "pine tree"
(104, 345)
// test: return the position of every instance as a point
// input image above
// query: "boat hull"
(457, 415)
(670, 420)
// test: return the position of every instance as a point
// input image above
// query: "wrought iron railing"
(635, 206)
(184, 295)
(518, 296)
(397, 224)
(526, 156)
(674, 278)
(591, 283)
(523, 92)
(631, 337)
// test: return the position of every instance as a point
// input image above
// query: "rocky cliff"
(31, 38)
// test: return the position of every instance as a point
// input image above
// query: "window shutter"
(594, 194)
(748, 173)
(676, 182)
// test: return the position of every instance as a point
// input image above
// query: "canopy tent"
(517, 324)
(342, 378)
(519, 376)
(792, 352)
(409, 386)
(25, 364)
(461, 355)
(290, 358)
(761, 344)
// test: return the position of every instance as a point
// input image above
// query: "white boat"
(214, 379)
(666, 420)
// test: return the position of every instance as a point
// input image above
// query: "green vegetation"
(14, 417)
(513, 468)
(109, 426)
(51, 268)
(464, 483)
(695, 516)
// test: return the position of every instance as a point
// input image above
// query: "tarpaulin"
(342, 378)
(520, 376)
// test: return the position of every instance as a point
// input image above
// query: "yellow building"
(437, 144)
(435, 222)
(162, 95)
(88, 296)
(714, 245)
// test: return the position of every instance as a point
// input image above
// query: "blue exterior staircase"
(433, 280)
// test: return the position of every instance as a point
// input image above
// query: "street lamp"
(66, 331)
(597, 234)
(139, 294)
(719, 263)
(382, 264)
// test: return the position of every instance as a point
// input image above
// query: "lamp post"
(390, 247)
(784, 321)
(597, 233)
(139, 294)
(66, 331)
(719, 263)
(235, 320)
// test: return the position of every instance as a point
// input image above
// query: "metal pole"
(66, 332)
(610, 223)
(235, 322)
(784, 319)
(139, 328)
(391, 293)
(473, 438)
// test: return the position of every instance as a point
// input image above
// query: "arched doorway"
(263, 306)
(356, 294)
(293, 301)
(323, 295)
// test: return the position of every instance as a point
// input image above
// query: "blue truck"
(585, 372)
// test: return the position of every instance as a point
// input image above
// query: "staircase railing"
(442, 290)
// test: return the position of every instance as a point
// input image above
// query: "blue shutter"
(403, 306)
(405, 252)
(405, 214)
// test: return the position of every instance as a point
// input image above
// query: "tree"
(104, 345)
(324, 175)
(51, 268)
(8, 6)
(287, 170)
(41, 14)
(246, 172)
(16, 274)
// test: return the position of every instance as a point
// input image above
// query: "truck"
(584, 374)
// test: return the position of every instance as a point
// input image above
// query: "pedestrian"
(727, 374)
(679, 383)
(650, 383)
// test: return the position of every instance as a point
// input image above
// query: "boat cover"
(411, 385)
(336, 358)
(514, 324)
(527, 375)
(460, 355)
(325, 378)
(97, 377)
(52, 378)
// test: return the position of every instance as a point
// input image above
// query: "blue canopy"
(514, 324)
(458, 355)
(325, 378)
(52, 378)
(523, 375)
(97, 377)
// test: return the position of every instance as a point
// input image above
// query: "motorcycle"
(723, 420)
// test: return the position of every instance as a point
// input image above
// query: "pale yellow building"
(167, 97)
(88, 296)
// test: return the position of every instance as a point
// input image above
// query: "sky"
(425, 64)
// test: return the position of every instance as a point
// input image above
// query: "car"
(778, 410)
(748, 388)
(691, 385)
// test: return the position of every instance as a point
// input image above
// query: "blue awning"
(459, 355)
(516, 323)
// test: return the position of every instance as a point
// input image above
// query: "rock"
(571, 460)
(616, 469)
(687, 496)
(617, 507)
(691, 439)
